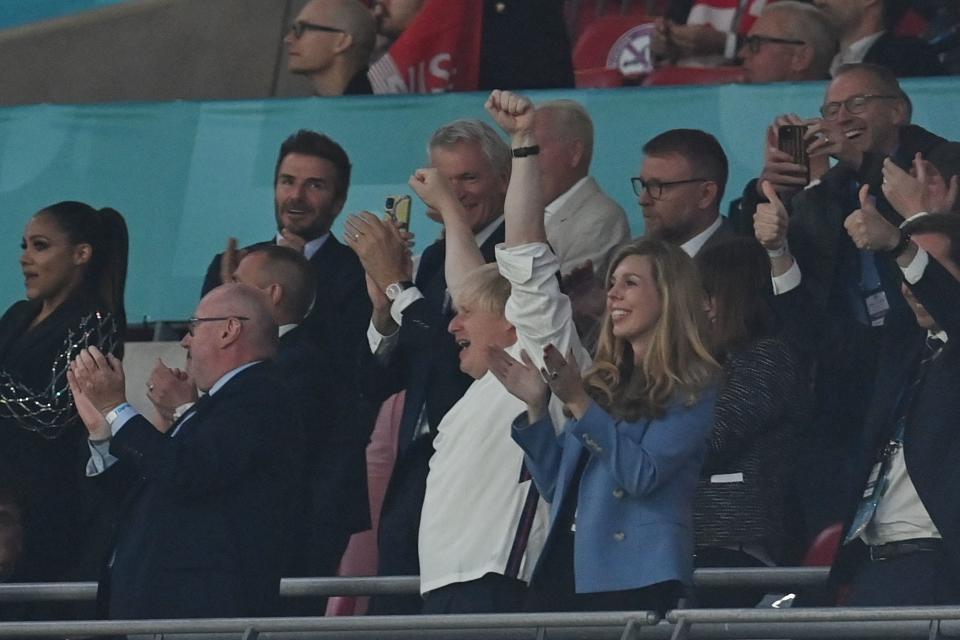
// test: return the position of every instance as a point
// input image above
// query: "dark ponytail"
(106, 233)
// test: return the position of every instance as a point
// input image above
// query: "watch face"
(393, 290)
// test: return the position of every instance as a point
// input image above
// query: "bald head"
(334, 42)
(564, 132)
(285, 276)
(233, 326)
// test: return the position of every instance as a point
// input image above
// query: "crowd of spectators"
(586, 418)
(430, 46)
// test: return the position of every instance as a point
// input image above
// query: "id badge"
(871, 487)
(868, 502)
(877, 307)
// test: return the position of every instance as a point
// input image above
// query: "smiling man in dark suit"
(311, 180)
(201, 526)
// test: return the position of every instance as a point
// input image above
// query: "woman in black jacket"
(74, 263)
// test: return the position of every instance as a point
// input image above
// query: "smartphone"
(792, 139)
(398, 208)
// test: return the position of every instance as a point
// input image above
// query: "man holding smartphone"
(848, 293)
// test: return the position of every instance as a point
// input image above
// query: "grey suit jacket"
(587, 227)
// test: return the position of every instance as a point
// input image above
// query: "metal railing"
(769, 578)
(690, 624)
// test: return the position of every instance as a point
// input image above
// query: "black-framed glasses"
(754, 42)
(193, 322)
(655, 187)
(298, 27)
(853, 104)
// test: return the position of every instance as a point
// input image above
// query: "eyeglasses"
(655, 187)
(853, 104)
(193, 322)
(753, 43)
(298, 27)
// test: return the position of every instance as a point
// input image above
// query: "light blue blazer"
(634, 508)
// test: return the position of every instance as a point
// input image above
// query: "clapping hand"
(522, 379)
(923, 189)
(99, 378)
(168, 388)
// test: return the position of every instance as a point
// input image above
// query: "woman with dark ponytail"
(74, 263)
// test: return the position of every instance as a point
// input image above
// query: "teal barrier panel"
(188, 174)
(14, 13)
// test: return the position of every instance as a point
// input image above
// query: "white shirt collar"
(284, 329)
(692, 246)
(562, 199)
(487, 231)
(225, 378)
(856, 52)
(311, 247)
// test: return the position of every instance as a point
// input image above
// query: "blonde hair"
(678, 365)
(483, 289)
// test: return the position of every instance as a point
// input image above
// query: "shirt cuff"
(379, 343)
(517, 263)
(123, 415)
(914, 271)
(406, 298)
(919, 214)
(788, 280)
(100, 457)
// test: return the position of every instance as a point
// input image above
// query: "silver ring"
(356, 236)
(149, 387)
(554, 375)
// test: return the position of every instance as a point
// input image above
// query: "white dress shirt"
(474, 498)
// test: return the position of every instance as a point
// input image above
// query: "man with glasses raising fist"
(330, 43)
(681, 183)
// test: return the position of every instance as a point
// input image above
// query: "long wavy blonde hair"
(678, 365)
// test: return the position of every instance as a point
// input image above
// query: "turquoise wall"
(188, 174)
(17, 12)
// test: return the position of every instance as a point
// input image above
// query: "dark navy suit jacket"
(201, 530)
(339, 318)
(931, 443)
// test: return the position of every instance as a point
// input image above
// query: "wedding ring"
(554, 375)
(149, 387)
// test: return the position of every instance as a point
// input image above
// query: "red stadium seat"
(597, 78)
(824, 547)
(615, 42)
(693, 75)
(911, 24)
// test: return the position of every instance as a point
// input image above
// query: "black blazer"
(338, 320)
(61, 510)
(905, 56)
(931, 443)
(334, 484)
(201, 531)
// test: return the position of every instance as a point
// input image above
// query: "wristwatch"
(394, 290)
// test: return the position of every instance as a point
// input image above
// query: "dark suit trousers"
(923, 578)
